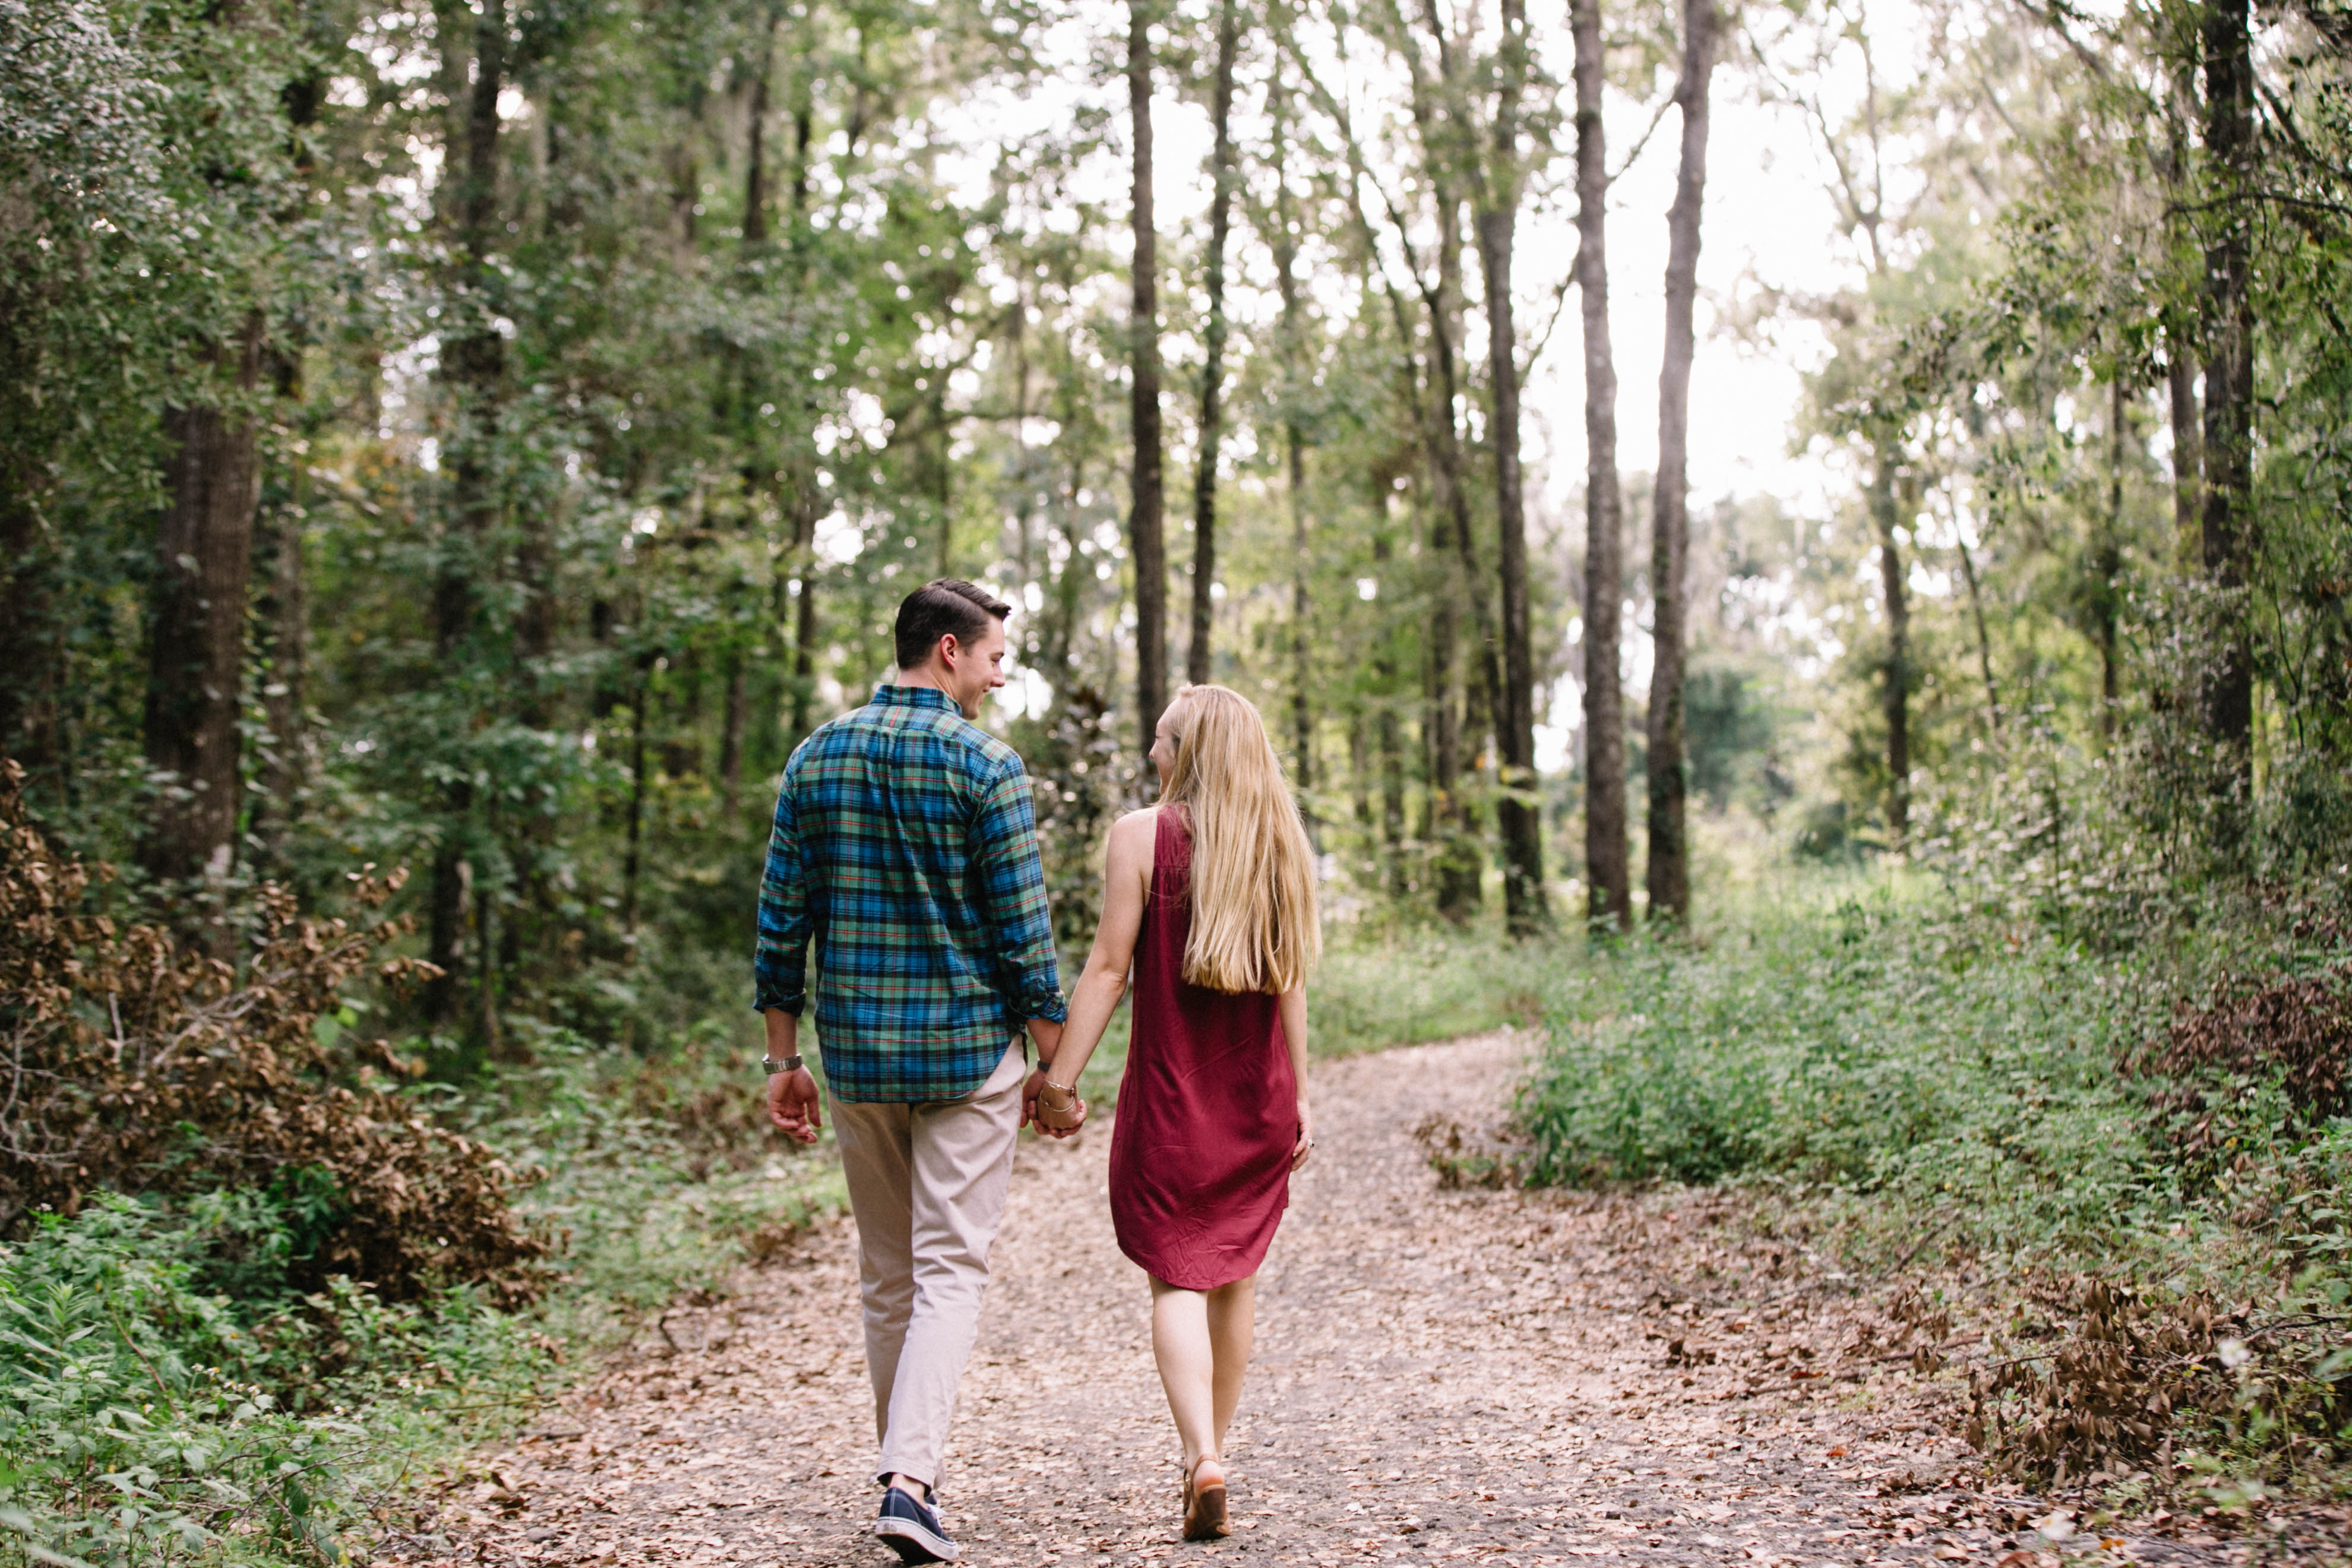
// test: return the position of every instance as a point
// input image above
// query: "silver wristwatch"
(771, 1066)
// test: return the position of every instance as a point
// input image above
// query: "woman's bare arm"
(1293, 1010)
(1127, 882)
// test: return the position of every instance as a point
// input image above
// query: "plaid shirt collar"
(892, 695)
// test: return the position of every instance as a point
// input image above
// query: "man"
(905, 845)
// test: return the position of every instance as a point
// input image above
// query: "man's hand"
(1029, 1098)
(793, 1105)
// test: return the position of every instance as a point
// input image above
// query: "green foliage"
(2130, 1127)
(169, 1388)
(662, 1173)
(1860, 1045)
(1415, 983)
(145, 1415)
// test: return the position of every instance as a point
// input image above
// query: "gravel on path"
(1480, 1377)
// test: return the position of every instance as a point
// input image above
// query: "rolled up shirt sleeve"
(780, 964)
(1010, 884)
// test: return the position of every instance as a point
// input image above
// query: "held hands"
(793, 1105)
(1306, 1144)
(1056, 1111)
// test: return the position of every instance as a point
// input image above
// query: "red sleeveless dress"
(1208, 1110)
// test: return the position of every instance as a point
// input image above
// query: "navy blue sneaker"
(912, 1530)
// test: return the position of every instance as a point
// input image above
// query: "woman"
(1210, 894)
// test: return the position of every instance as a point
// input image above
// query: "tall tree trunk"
(1197, 662)
(804, 621)
(755, 151)
(1385, 728)
(2106, 566)
(284, 616)
(2188, 458)
(730, 736)
(1286, 261)
(1146, 527)
(1669, 873)
(2181, 373)
(2227, 443)
(807, 500)
(632, 855)
(1896, 698)
(1984, 639)
(27, 637)
(1606, 858)
(196, 637)
(1461, 864)
(474, 366)
(1526, 909)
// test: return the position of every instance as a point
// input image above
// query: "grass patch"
(1394, 987)
(2129, 1150)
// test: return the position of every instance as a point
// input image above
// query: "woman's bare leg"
(1231, 1314)
(1201, 1341)
(1183, 1347)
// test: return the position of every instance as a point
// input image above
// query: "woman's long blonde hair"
(1253, 879)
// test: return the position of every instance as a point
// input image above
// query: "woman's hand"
(1306, 1144)
(1060, 1111)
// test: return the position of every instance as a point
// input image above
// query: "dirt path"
(1473, 1376)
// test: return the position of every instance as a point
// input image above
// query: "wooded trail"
(1498, 1376)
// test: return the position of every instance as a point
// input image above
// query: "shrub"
(138, 1067)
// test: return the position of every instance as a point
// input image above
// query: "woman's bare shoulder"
(1134, 836)
(1136, 823)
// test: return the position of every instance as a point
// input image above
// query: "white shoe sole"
(939, 1546)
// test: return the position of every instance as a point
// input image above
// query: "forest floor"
(1505, 1377)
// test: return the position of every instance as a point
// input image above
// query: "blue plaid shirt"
(906, 843)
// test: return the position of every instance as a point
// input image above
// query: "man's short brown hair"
(944, 607)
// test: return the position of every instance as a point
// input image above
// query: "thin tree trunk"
(2229, 388)
(1606, 858)
(284, 616)
(1984, 639)
(632, 858)
(196, 638)
(1895, 699)
(1146, 527)
(806, 500)
(1669, 873)
(755, 152)
(804, 622)
(1197, 660)
(1286, 258)
(731, 737)
(1526, 909)
(2180, 375)
(1360, 768)
(2106, 564)
(487, 978)
(1387, 732)
(2187, 454)
(473, 367)
(1462, 863)
(29, 640)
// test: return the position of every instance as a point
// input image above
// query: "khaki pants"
(927, 1185)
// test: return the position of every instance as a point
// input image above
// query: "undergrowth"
(2132, 1142)
(258, 1272)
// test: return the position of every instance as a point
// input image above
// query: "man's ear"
(949, 648)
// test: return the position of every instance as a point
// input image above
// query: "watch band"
(771, 1066)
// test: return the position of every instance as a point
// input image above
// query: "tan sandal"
(1204, 1505)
